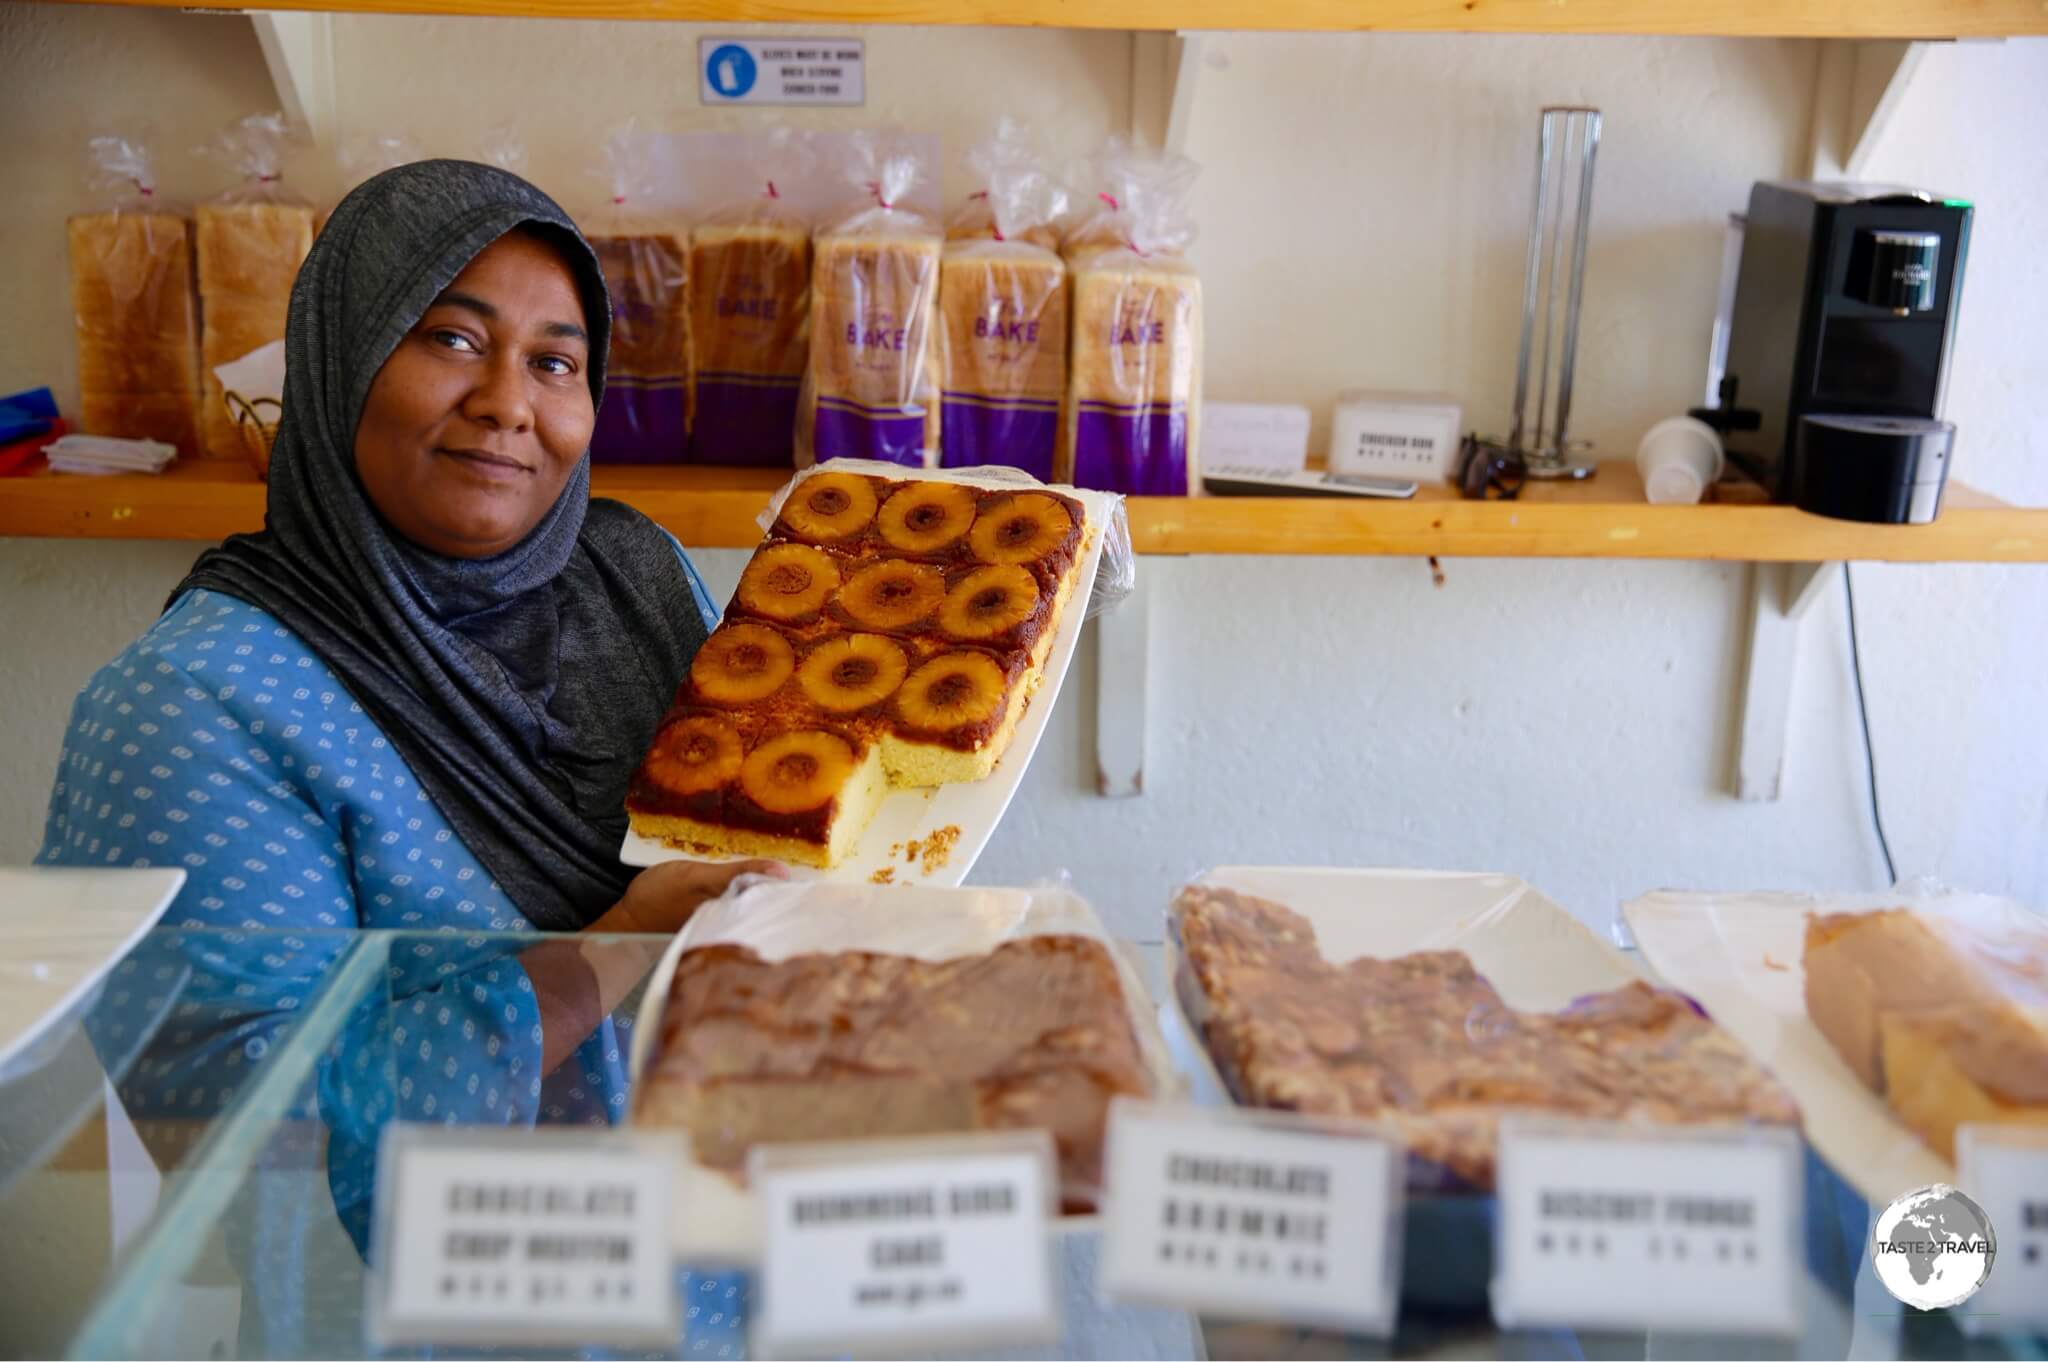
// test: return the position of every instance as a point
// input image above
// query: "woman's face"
(475, 423)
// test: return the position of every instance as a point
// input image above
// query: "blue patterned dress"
(219, 743)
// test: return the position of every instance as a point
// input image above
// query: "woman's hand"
(662, 897)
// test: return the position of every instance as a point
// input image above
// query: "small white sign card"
(886, 1247)
(484, 1235)
(782, 70)
(1605, 1226)
(2004, 1169)
(1261, 1215)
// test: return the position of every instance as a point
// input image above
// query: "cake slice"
(1946, 1024)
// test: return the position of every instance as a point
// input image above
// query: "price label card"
(1617, 1227)
(492, 1236)
(1252, 1215)
(2005, 1170)
(894, 1246)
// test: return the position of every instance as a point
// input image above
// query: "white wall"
(1362, 217)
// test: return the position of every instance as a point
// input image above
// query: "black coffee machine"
(1838, 347)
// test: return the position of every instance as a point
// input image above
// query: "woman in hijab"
(416, 698)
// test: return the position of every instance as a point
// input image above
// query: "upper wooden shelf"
(1731, 18)
(1604, 518)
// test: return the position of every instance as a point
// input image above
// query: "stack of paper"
(102, 454)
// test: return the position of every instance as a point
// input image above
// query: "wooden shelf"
(1604, 518)
(1731, 18)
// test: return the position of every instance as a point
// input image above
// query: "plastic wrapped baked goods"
(1135, 372)
(1121, 183)
(1003, 330)
(251, 242)
(1948, 1020)
(872, 390)
(811, 1012)
(134, 306)
(1424, 1043)
(750, 307)
(888, 633)
(646, 411)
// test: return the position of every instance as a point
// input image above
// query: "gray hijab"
(522, 689)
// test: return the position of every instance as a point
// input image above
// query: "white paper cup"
(1678, 458)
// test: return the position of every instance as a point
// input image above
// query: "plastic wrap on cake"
(803, 1012)
(135, 306)
(871, 390)
(1354, 993)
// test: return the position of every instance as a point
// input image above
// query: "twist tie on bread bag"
(122, 172)
(1003, 154)
(1152, 203)
(624, 166)
(254, 148)
(886, 166)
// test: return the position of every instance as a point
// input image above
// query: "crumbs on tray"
(886, 875)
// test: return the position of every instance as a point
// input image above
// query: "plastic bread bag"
(1006, 154)
(871, 390)
(1899, 1017)
(645, 415)
(134, 304)
(750, 310)
(1003, 328)
(250, 242)
(1438, 1003)
(1116, 575)
(1134, 393)
(793, 1012)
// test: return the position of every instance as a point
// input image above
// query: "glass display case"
(219, 1098)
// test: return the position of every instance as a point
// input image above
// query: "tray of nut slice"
(791, 1012)
(880, 679)
(1434, 1004)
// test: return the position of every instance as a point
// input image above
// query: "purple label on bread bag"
(849, 430)
(1139, 450)
(641, 421)
(744, 420)
(1013, 432)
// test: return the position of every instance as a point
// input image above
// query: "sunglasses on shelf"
(1489, 472)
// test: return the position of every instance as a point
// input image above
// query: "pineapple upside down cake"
(886, 633)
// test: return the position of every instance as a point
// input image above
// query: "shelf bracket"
(1122, 658)
(1859, 87)
(298, 47)
(1781, 599)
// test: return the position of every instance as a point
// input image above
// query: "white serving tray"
(715, 1218)
(61, 930)
(1741, 955)
(912, 815)
(1537, 956)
